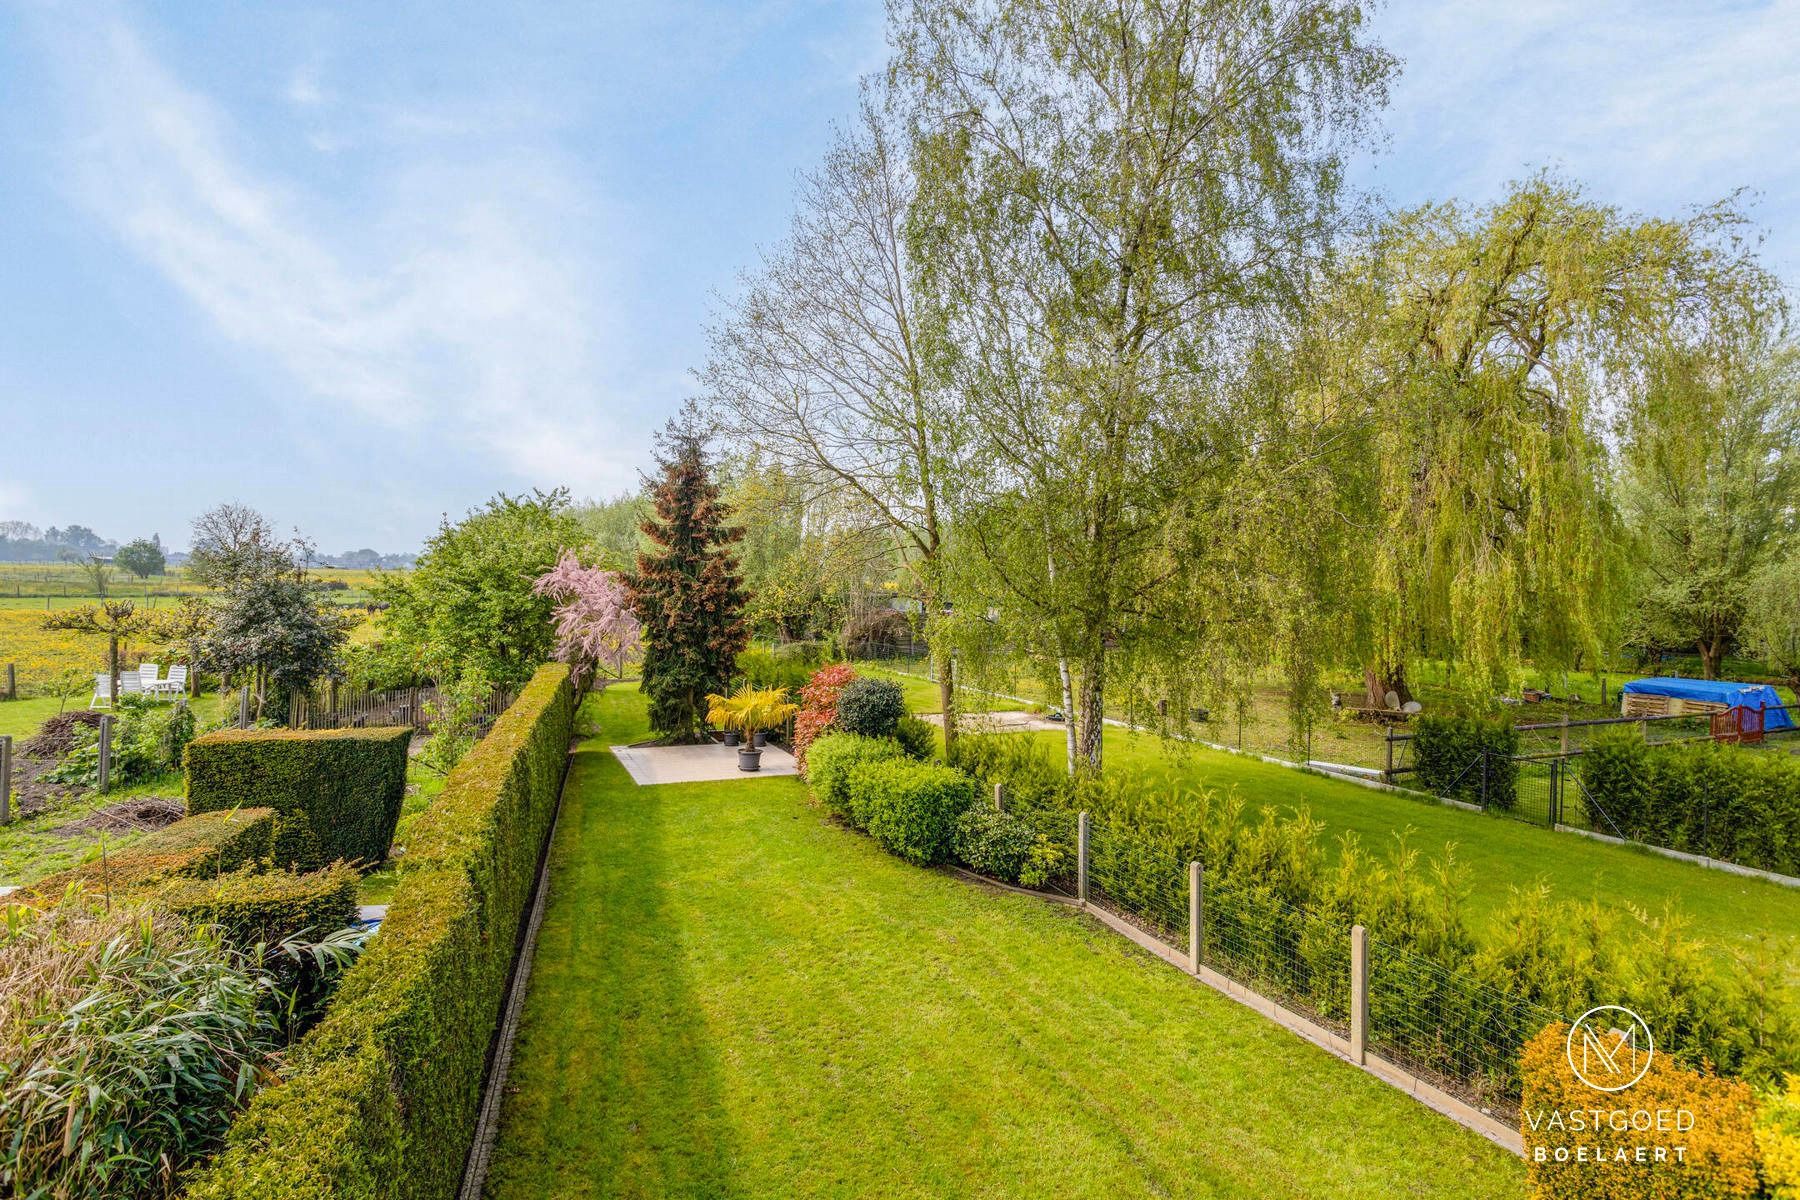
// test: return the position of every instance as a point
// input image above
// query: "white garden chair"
(147, 674)
(175, 684)
(130, 684)
(102, 691)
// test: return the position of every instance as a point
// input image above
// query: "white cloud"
(1655, 105)
(463, 303)
(303, 89)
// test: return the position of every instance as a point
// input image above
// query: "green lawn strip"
(422, 787)
(1501, 853)
(734, 997)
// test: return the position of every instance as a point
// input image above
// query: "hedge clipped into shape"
(381, 1097)
(207, 844)
(831, 760)
(1468, 758)
(338, 791)
(910, 808)
(266, 907)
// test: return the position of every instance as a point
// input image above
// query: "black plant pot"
(749, 759)
(761, 739)
(731, 737)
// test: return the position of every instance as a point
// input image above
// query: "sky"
(362, 266)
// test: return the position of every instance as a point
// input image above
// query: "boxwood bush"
(380, 1099)
(1449, 753)
(831, 760)
(910, 808)
(337, 791)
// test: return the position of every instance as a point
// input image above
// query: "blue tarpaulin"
(1719, 691)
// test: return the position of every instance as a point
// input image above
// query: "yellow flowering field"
(41, 654)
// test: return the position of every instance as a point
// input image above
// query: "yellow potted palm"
(750, 712)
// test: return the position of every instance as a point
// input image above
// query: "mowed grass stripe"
(732, 997)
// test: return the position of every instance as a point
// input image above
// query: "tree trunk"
(1381, 678)
(946, 674)
(1712, 651)
(1068, 709)
(1093, 709)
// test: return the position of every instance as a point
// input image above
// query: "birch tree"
(822, 364)
(1112, 196)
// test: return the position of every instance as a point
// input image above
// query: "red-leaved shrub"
(818, 708)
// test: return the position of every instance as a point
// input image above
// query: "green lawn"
(1501, 853)
(733, 997)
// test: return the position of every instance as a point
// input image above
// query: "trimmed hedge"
(910, 808)
(207, 844)
(1723, 801)
(380, 1099)
(266, 907)
(834, 756)
(338, 791)
(1449, 754)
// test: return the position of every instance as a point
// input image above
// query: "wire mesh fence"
(1447, 1027)
(1299, 959)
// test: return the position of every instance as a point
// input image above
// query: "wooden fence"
(335, 706)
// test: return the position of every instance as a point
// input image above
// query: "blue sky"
(361, 265)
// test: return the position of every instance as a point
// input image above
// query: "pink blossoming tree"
(595, 623)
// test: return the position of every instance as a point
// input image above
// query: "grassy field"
(1500, 853)
(733, 997)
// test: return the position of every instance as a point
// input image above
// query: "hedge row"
(338, 791)
(266, 907)
(1468, 758)
(909, 807)
(207, 844)
(380, 1099)
(1722, 801)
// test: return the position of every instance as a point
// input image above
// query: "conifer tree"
(686, 589)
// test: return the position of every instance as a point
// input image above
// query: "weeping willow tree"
(1476, 357)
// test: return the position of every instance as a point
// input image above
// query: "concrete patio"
(697, 764)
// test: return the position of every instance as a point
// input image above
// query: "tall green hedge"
(1468, 758)
(380, 1099)
(338, 791)
(1728, 802)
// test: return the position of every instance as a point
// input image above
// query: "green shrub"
(204, 844)
(871, 707)
(918, 738)
(1468, 758)
(269, 907)
(337, 791)
(1618, 779)
(147, 741)
(831, 760)
(763, 669)
(381, 1097)
(910, 808)
(1034, 780)
(994, 843)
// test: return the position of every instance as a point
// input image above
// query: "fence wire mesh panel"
(332, 706)
(1298, 959)
(1139, 877)
(1448, 1028)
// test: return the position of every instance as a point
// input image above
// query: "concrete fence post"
(1081, 858)
(5, 779)
(1359, 995)
(106, 734)
(999, 797)
(1196, 926)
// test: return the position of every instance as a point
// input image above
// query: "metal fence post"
(1081, 858)
(1359, 995)
(106, 727)
(1553, 810)
(1196, 929)
(1387, 773)
(5, 779)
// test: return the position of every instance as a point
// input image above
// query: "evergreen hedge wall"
(380, 1099)
(338, 791)
(207, 844)
(1449, 751)
(266, 906)
(1725, 802)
